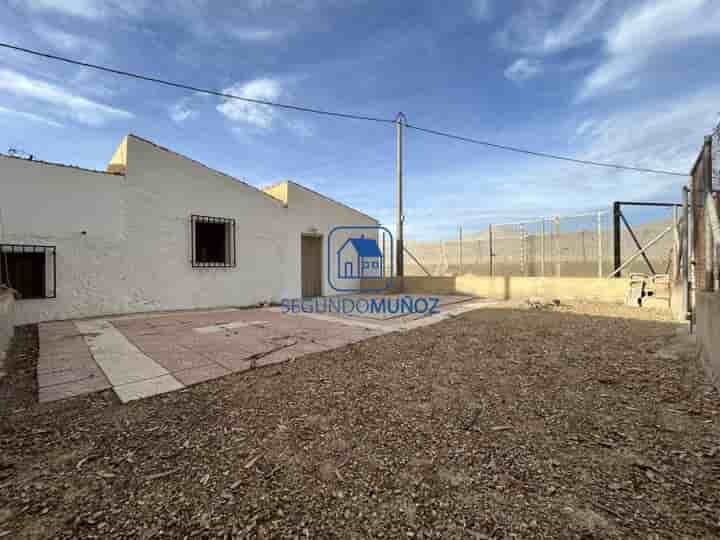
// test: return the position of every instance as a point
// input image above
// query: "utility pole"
(399, 123)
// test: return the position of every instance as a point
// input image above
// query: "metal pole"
(492, 254)
(557, 246)
(542, 247)
(418, 262)
(400, 252)
(523, 250)
(383, 253)
(676, 244)
(600, 245)
(647, 246)
(616, 238)
(686, 252)
(637, 242)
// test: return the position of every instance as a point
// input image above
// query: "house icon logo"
(360, 259)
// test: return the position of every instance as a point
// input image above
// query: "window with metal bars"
(212, 241)
(29, 269)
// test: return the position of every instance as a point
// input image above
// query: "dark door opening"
(311, 272)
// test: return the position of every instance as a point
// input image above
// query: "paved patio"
(147, 354)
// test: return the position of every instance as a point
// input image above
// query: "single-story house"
(159, 231)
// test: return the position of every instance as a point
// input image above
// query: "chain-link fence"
(580, 245)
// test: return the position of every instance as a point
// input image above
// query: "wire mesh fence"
(580, 245)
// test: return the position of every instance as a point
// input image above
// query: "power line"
(334, 113)
(542, 154)
(194, 88)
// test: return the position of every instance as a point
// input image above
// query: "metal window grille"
(29, 269)
(212, 241)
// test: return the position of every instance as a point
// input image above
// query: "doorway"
(311, 271)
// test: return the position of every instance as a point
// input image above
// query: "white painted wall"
(135, 255)
(51, 204)
(309, 211)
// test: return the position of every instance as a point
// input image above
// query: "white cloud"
(523, 69)
(181, 111)
(643, 33)
(29, 116)
(66, 41)
(481, 9)
(546, 27)
(254, 114)
(662, 134)
(86, 9)
(78, 108)
(255, 34)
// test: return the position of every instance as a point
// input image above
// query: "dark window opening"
(213, 241)
(28, 269)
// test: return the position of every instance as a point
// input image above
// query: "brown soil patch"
(568, 422)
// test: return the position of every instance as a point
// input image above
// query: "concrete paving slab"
(121, 361)
(201, 374)
(65, 367)
(180, 359)
(234, 363)
(222, 327)
(155, 344)
(72, 389)
(147, 354)
(66, 375)
(147, 387)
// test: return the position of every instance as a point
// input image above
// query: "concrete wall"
(508, 287)
(7, 305)
(428, 285)
(312, 213)
(707, 328)
(123, 241)
(563, 288)
(82, 214)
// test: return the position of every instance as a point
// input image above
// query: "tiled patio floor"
(143, 355)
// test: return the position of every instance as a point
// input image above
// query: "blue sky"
(634, 82)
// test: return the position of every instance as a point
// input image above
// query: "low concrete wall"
(511, 287)
(707, 329)
(428, 285)
(7, 316)
(678, 303)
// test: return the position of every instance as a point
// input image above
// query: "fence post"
(600, 245)
(686, 251)
(492, 253)
(542, 247)
(676, 245)
(523, 251)
(616, 238)
(557, 246)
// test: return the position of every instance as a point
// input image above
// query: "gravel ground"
(582, 421)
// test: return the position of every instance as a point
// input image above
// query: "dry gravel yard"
(574, 422)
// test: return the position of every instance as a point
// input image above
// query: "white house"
(159, 231)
